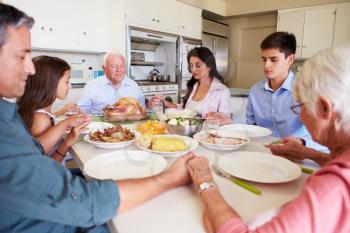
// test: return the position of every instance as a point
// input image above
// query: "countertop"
(239, 92)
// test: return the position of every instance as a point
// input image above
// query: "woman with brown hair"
(50, 81)
(206, 92)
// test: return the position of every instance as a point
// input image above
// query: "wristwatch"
(206, 185)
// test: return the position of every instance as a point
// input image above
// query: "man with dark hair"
(36, 193)
(270, 99)
(285, 42)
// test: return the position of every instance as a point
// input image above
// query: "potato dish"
(113, 134)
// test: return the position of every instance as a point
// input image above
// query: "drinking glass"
(157, 108)
(211, 125)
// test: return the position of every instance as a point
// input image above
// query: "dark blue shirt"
(37, 194)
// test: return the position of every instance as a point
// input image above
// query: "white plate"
(111, 145)
(191, 144)
(259, 167)
(124, 164)
(251, 131)
(221, 147)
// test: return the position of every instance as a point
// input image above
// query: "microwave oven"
(81, 74)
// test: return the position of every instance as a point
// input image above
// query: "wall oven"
(170, 90)
(169, 95)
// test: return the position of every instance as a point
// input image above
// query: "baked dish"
(163, 144)
(126, 109)
(113, 134)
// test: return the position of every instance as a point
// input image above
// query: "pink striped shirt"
(218, 99)
(323, 205)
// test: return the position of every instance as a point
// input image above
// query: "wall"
(246, 34)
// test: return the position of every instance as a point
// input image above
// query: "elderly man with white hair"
(106, 90)
(322, 89)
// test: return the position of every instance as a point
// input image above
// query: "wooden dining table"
(181, 210)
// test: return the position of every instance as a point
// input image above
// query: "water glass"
(211, 125)
(157, 108)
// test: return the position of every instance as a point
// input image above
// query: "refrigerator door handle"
(214, 46)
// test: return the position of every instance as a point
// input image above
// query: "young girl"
(50, 81)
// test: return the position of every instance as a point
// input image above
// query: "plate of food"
(221, 140)
(111, 138)
(251, 131)
(96, 125)
(167, 145)
(124, 164)
(259, 167)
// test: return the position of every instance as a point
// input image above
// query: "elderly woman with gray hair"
(322, 88)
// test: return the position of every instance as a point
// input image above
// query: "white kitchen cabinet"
(293, 22)
(313, 28)
(341, 26)
(63, 25)
(166, 16)
(190, 24)
(158, 15)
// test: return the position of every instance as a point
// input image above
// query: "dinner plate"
(222, 147)
(111, 145)
(190, 142)
(259, 167)
(251, 131)
(124, 164)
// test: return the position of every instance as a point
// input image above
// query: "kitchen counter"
(239, 92)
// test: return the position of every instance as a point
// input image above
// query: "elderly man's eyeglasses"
(296, 108)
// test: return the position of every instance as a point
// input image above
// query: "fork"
(235, 180)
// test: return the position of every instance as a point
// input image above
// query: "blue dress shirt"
(37, 194)
(100, 92)
(271, 109)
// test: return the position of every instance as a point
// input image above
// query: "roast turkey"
(127, 108)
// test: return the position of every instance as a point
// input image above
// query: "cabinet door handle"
(156, 36)
(153, 20)
(158, 20)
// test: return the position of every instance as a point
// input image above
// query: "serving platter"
(112, 145)
(190, 142)
(221, 147)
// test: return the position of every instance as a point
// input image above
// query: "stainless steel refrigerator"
(215, 37)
